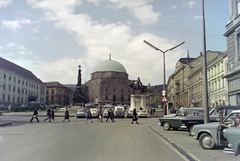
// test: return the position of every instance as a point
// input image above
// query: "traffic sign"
(164, 99)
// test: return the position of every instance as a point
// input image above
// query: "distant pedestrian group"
(88, 115)
(50, 114)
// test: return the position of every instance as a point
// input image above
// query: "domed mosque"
(109, 84)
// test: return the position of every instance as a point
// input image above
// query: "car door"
(176, 122)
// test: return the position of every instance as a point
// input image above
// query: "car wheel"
(237, 151)
(166, 126)
(191, 130)
(206, 141)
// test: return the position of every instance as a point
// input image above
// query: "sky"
(51, 38)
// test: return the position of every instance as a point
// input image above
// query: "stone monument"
(138, 100)
(78, 95)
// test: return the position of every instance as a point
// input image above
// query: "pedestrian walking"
(52, 114)
(66, 115)
(88, 116)
(100, 115)
(35, 115)
(110, 115)
(48, 115)
(135, 116)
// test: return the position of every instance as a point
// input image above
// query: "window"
(238, 46)
(4, 76)
(3, 97)
(238, 7)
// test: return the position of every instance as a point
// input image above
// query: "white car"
(94, 112)
(80, 113)
(142, 113)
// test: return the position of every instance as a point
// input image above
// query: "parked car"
(214, 116)
(210, 135)
(94, 112)
(233, 137)
(119, 111)
(81, 113)
(142, 113)
(175, 120)
(129, 113)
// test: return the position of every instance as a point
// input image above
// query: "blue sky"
(52, 37)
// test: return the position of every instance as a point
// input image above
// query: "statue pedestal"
(138, 101)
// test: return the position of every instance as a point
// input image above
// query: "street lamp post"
(205, 91)
(164, 70)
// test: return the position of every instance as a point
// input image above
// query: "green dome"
(110, 66)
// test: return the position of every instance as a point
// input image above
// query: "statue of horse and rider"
(137, 85)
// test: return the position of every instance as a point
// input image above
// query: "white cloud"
(145, 14)
(190, 4)
(197, 17)
(11, 44)
(174, 6)
(22, 50)
(96, 2)
(35, 29)
(140, 10)
(46, 38)
(5, 3)
(16, 24)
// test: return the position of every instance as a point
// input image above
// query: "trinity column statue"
(78, 95)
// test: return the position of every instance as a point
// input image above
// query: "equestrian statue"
(137, 85)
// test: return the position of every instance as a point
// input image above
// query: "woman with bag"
(135, 116)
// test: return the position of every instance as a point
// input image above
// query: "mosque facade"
(109, 84)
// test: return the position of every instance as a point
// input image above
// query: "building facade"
(19, 86)
(217, 91)
(185, 85)
(233, 50)
(58, 94)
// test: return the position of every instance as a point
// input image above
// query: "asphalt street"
(76, 140)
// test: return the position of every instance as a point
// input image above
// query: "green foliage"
(157, 100)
